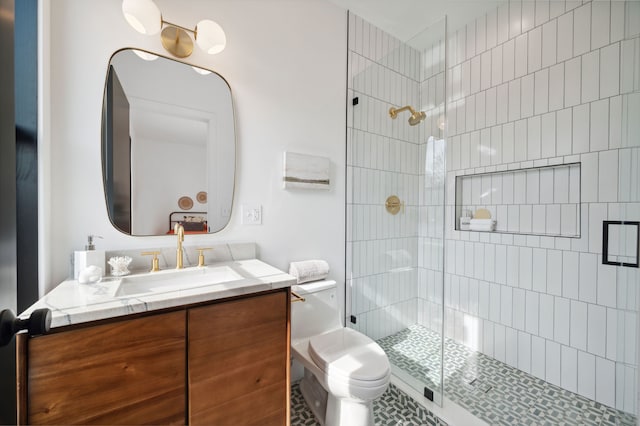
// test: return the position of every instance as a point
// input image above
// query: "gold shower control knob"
(393, 204)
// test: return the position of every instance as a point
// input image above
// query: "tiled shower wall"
(382, 160)
(534, 84)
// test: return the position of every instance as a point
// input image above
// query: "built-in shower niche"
(534, 201)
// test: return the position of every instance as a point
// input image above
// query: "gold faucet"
(179, 231)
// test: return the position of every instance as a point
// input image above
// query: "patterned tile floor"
(393, 408)
(491, 390)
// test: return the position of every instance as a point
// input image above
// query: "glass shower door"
(395, 198)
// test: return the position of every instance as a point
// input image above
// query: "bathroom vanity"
(210, 354)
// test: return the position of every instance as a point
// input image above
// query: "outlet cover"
(251, 214)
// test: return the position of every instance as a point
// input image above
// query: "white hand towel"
(483, 222)
(309, 270)
(482, 225)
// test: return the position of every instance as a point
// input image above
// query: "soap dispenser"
(88, 257)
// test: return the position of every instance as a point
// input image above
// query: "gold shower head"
(415, 118)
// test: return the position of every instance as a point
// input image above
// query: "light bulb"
(201, 71)
(145, 55)
(210, 37)
(143, 15)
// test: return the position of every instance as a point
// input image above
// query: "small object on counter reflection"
(120, 265)
(185, 203)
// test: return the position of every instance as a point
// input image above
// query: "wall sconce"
(145, 17)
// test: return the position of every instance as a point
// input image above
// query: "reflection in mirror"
(168, 146)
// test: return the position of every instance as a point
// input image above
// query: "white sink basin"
(165, 281)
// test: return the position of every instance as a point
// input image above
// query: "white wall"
(286, 64)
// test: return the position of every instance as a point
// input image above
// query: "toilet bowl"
(344, 369)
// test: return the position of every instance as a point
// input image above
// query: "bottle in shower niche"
(82, 259)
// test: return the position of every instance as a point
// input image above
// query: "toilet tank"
(318, 313)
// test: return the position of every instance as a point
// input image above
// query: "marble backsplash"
(167, 258)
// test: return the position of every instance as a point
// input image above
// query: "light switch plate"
(251, 214)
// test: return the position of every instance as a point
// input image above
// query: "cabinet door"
(239, 362)
(128, 372)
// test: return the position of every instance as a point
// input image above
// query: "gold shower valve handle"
(154, 263)
(393, 205)
(201, 255)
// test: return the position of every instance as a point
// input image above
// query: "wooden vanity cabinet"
(126, 372)
(221, 363)
(238, 362)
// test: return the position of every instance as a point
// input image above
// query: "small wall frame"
(306, 171)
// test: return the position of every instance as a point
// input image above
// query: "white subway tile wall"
(574, 77)
(529, 84)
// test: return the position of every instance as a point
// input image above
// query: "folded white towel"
(482, 222)
(482, 227)
(309, 270)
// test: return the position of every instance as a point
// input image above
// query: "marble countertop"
(75, 303)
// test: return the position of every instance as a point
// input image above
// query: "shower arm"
(393, 112)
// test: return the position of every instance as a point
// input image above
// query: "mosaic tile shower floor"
(393, 408)
(492, 390)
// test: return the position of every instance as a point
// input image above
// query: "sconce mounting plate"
(176, 41)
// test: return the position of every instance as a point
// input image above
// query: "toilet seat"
(350, 356)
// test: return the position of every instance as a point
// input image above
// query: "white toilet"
(344, 370)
